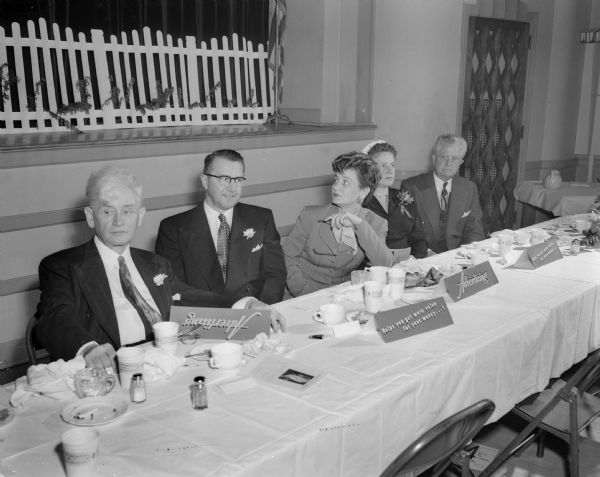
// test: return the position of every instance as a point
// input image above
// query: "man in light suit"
(448, 204)
(84, 306)
(223, 245)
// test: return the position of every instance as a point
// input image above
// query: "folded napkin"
(51, 380)
(160, 365)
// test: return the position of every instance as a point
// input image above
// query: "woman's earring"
(359, 200)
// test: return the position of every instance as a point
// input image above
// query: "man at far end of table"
(447, 203)
(104, 294)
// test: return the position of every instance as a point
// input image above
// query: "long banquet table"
(371, 402)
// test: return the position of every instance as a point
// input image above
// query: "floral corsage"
(405, 198)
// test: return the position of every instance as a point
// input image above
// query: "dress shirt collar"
(213, 216)
(439, 185)
(110, 257)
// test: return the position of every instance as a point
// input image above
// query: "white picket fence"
(49, 84)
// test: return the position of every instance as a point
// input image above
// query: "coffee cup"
(397, 277)
(377, 273)
(373, 296)
(538, 236)
(330, 314)
(92, 382)
(505, 243)
(226, 356)
(80, 447)
(131, 361)
(477, 257)
(165, 335)
(523, 237)
(582, 225)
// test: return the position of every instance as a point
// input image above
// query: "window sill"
(19, 150)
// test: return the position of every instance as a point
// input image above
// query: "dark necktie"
(223, 244)
(146, 312)
(444, 197)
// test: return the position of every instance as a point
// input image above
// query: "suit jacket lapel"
(431, 205)
(95, 287)
(455, 205)
(325, 231)
(240, 249)
(148, 270)
(201, 250)
(372, 203)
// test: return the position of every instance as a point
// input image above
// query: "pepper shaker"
(199, 395)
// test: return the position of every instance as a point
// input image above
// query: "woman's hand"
(345, 219)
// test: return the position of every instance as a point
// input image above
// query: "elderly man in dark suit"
(105, 294)
(223, 245)
(448, 204)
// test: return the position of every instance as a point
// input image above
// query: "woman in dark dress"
(397, 206)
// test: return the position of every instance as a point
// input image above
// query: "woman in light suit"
(329, 241)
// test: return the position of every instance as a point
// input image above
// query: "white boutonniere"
(405, 198)
(176, 297)
(159, 279)
(466, 214)
(257, 248)
(249, 233)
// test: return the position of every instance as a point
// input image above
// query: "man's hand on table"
(100, 356)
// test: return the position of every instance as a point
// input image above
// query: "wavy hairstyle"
(366, 169)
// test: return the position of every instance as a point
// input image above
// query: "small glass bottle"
(575, 247)
(137, 388)
(199, 396)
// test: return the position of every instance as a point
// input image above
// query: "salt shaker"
(137, 388)
(199, 396)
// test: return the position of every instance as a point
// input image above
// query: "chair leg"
(540, 443)
(574, 445)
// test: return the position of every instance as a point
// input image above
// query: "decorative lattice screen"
(492, 114)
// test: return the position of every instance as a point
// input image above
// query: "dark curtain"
(205, 19)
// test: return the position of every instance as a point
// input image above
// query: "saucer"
(94, 411)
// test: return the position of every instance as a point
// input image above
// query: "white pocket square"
(257, 248)
(466, 214)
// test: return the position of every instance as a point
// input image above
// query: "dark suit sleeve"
(273, 263)
(62, 314)
(167, 245)
(185, 295)
(473, 230)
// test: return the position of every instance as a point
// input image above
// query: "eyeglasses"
(450, 159)
(226, 180)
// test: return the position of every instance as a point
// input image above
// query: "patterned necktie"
(444, 201)
(223, 244)
(134, 296)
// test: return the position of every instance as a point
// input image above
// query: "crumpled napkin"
(160, 365)
(47, 379)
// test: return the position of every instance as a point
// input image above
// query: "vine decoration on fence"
(163, 97)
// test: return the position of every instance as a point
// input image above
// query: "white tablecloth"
(571, 198)
(374, 399)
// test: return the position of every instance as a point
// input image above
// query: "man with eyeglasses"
(223, 245)
(448, 204)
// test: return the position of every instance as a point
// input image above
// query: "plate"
(94, 411)
(6, 415)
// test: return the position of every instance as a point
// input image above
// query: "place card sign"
(544, 253)
(470, 281)
(411, 320)
(219, 323)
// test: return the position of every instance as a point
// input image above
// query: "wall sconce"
(590, 36)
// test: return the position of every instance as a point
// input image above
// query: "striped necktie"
(144, 309)
(444, 197)
(223, 245)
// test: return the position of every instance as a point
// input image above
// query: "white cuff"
(244, 303)
(86, 347)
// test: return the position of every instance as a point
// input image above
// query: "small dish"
(94, 411)
(6, 415)
(359, 315)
